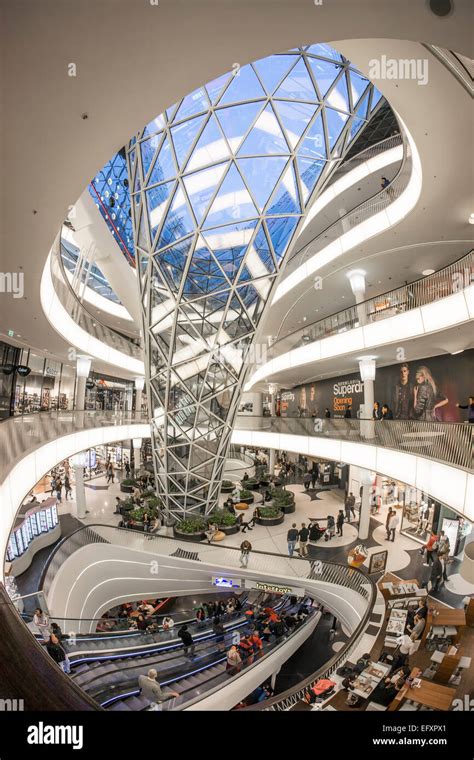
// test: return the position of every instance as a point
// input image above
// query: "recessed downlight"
(426, 272)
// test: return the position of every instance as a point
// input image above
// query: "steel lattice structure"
(219, 184)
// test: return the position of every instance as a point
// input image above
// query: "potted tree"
(284, 500)
(269, 516)
(127, 485)
(265, 480)
(190, 529)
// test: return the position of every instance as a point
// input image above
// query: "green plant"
(153, 502)
(245, 493)
(195, 524)
(137, 514)
(227, 484)
(129, 482)
(223, 518)
(282, 498)
(270, 513)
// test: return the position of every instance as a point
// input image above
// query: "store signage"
(227, 582)
(11, 333)
(274, 588)
(51, 371)
(22, 370)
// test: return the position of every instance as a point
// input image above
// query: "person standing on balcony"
(403, 395)
(387, 413)
(348, 412)
(470, 408)
(386, 185)
(245, 549)
(376, 413)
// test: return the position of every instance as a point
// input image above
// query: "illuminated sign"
(227, 582)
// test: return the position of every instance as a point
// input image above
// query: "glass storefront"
(109, 394)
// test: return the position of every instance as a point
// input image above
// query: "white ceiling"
(133, 60)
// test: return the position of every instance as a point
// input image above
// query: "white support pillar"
(78, 463)
(272, 389)
(139, 385)
(271, 462)
(83, 365)
(357, 281)
(137, 446)
(364, 515)
(367, 374)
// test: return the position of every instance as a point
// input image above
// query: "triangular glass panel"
(164, 167)
(261, 248)
(298, 84)
(356, 126)
(156, 125)
(335, 124)
(211, 147)
(232, 202)
(376, 96)
(295, 117)
(236, 122)
(201, 186)
(280, 230)
(273, 68)
(171, 111)
(193, 104)
(261, 175)
(325, 50)
(229, 244)
(309, 174)
(359, 85)
(183, 137)
(266, 136)
(339, 95)
(361, 110)
(286, 199)
(245, 86)
(142, 235)
(254, 300)
(178, 222)
(157, 199)
(215, 87)
(324, 73)
(148, 149)
(172, 262)
(313, 144)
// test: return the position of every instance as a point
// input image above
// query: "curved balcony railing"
(360, 158)
(23, 434)
(447, 442)
(381, 200)
(325, 571)
(78, 312)
(445, 282)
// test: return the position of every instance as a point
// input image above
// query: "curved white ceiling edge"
(101, 302)
(450, 485)
(384, 220)
(61, 321)
(424, 320)
(371, 166)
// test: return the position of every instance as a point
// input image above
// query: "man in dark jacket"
(340, 522)
(187, 640)
(292, 538)
(387, 413)
(436, 575)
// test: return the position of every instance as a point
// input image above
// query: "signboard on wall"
(274, 588)
(427, 389)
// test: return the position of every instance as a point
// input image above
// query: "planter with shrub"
(191, 529)
(246, 496)
(227, 486)
(269, 516)
(127, 485)
(226, 521)
(251, 484)
(284, 500)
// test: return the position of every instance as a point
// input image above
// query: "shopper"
(393, 525)
(219, 632)
(376, 412)
(387, 413)
(256, 516)
(234, 661)
(406, 647)
(245, 549)
(151, 689)
(386, 185)
(470, 408)
(187, 640)
(387, 521)
(59, 489)
(443, 552)
(303, 536)
(327, 414)
(314, 475)
(168, 624)
(41, 621)
(348, 413)
(430, 547)
(349, 503)
(307, 480)
(292, 538)
(418, 627)
(436, 571)
(340, 522)
(210, 531)
(330, 528)
(58, 653)
(67, 487)
(127, 469)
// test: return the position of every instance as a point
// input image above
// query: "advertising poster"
(426, 389)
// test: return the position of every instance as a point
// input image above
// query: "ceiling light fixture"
(471, 219)
(453, 353)
(426, 272)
